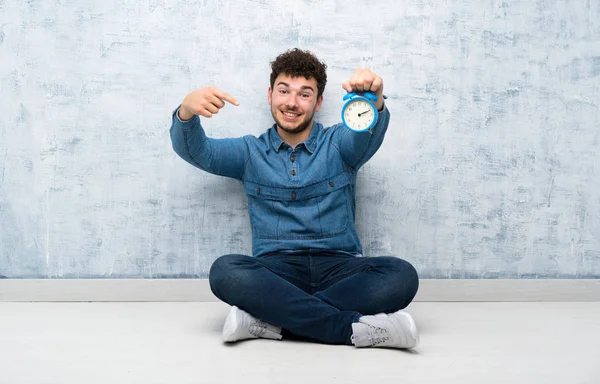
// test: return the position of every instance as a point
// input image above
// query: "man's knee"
(225, 273)
(402, 278)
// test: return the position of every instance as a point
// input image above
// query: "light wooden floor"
(180, 343)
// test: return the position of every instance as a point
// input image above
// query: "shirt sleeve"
(223, 157)
(357, 148)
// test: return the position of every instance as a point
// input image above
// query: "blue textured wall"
(490, 169)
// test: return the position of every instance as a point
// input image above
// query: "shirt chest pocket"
(314, 211)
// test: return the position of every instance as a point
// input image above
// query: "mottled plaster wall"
(490, 168)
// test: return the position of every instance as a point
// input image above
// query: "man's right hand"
(204, 102)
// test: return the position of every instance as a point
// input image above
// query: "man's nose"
(292, 102)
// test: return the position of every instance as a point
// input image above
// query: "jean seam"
(282, 274)
(347, 274)
(311, 265)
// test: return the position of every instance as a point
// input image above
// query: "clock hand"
(362, 113)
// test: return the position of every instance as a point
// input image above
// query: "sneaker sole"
(230, 325)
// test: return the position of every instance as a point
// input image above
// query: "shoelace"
(257, 328)
(375, 335)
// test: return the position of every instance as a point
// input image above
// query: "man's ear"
(269, 95)
(319, 102)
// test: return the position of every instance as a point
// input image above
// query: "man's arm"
(357, 148)
(225, 157)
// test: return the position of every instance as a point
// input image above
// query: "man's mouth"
(291, 115)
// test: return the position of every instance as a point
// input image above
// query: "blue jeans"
(315, 296)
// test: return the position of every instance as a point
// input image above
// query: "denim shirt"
(299, 199)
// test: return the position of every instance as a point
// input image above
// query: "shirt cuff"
(176, 115)
(383, 107)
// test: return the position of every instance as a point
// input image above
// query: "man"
(307, 277)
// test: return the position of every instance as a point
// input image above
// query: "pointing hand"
(205, 102)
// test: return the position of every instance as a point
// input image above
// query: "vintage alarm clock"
(359, 114)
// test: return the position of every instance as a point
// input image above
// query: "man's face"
(294, 102)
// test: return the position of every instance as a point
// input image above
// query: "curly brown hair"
(296, 62)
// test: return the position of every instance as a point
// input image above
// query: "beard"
(289, 127)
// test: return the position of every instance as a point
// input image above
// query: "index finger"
(227, 97)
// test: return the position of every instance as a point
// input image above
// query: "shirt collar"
(276, 141)
(310, 144)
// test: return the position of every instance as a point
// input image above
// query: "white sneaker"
(396, 330)
(240, 325)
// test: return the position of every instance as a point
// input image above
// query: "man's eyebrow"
(304, 87)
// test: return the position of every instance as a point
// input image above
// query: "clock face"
(359, 115)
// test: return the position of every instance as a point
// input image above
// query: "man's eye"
(306, 95)
(282, 91)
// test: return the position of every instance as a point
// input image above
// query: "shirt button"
(293, 195)
(293, 172)
(258, 190)
(331, 184)
(293, 158)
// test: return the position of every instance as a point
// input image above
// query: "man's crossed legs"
(327, 297)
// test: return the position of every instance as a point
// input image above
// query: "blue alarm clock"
(359, 114)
